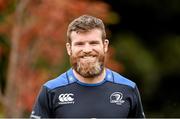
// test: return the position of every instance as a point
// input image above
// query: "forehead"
(94, 34)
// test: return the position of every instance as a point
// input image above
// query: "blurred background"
(144, 47)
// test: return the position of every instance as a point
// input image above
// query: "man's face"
(87, 52)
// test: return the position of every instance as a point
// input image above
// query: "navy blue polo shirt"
(67, 97)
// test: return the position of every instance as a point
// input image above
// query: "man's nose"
(87, 48)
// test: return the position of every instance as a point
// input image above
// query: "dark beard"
(88, 69)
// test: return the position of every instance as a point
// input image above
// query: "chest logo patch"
(117, 98)
(66, 98)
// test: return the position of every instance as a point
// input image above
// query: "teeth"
(88, 57)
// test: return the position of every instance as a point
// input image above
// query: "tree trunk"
(10, 100)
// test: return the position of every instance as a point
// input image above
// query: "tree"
(37, 43)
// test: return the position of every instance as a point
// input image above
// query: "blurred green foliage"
(149, 68)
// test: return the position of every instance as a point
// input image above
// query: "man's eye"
(78, 43)
(94, 43)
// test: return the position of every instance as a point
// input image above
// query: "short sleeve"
(137, 110)
(41, 108)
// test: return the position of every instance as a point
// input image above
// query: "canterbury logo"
(66, 98)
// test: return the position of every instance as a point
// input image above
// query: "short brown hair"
(85, 23)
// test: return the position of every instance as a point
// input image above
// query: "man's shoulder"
(119, 79)
(59, 81)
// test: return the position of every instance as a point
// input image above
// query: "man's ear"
(106, 44)
(68, 48)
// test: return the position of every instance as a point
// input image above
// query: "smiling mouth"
(88, 57)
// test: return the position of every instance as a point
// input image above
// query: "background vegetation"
(144, 47)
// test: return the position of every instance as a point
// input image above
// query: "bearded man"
(88, 89)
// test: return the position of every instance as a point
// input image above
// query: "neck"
(92, 80)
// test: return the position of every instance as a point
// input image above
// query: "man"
(88, 89)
